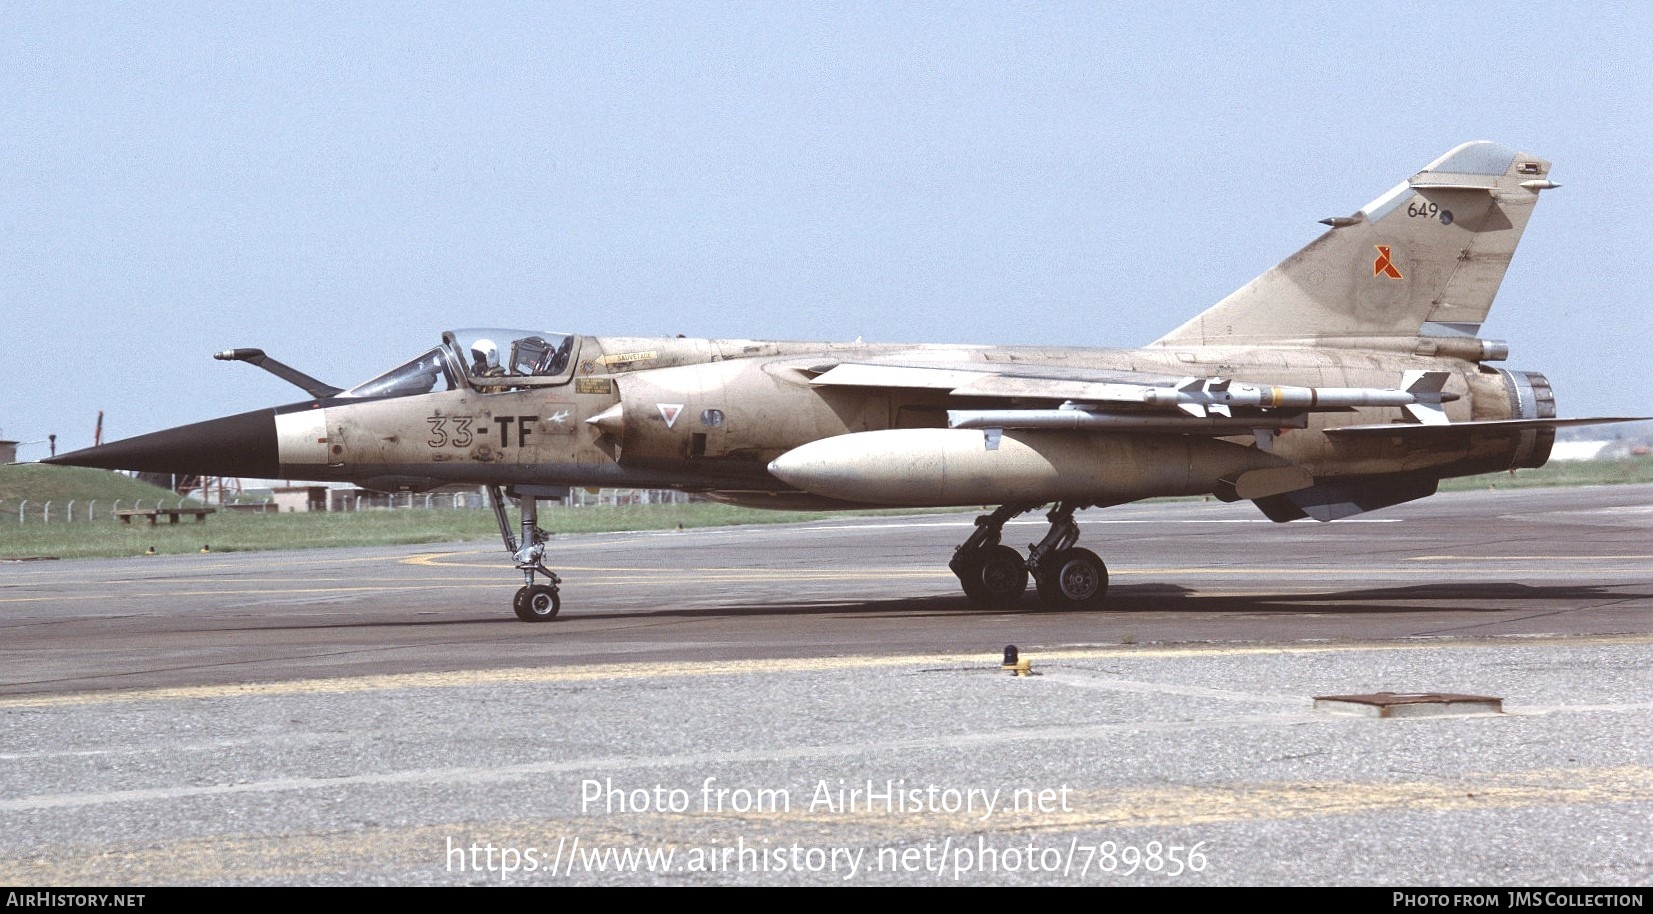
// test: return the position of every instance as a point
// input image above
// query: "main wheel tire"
(1073, 579)
(1003, 575)
(538, 603)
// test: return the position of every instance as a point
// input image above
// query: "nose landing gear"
(534, 602)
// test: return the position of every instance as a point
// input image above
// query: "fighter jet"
(1351, 376)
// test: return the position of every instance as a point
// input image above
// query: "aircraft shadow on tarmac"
(1456, 597)
(1129, 600)
(1144, 598)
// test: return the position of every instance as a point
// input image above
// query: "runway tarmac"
(346, 716)
(1572, 562)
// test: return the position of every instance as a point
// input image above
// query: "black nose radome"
(243, 445)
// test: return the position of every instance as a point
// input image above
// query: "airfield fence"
(578, 498)
(23, 511)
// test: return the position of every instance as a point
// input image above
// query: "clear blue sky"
(338, 183)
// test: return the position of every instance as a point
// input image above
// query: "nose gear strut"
(533, 602)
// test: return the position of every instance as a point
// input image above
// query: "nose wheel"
(536, 603)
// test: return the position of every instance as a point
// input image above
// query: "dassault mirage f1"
(1350, 377)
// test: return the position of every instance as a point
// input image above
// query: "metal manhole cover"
(1409, 704)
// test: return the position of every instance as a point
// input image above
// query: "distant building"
(301, 498)
(8, 452)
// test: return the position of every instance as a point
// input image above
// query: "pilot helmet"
(485, 354)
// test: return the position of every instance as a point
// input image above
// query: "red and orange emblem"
(1383, 266)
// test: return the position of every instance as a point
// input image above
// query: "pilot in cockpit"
(485, 359)
(485, 363)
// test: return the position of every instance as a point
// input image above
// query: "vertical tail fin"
(1426, 258)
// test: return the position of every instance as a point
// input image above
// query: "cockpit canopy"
(489, 360)
(512, 353)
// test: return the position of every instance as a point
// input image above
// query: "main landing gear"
(533, 602)
(1066, 577)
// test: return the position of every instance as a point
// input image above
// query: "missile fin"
(1425, 384)
(1426, 413)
